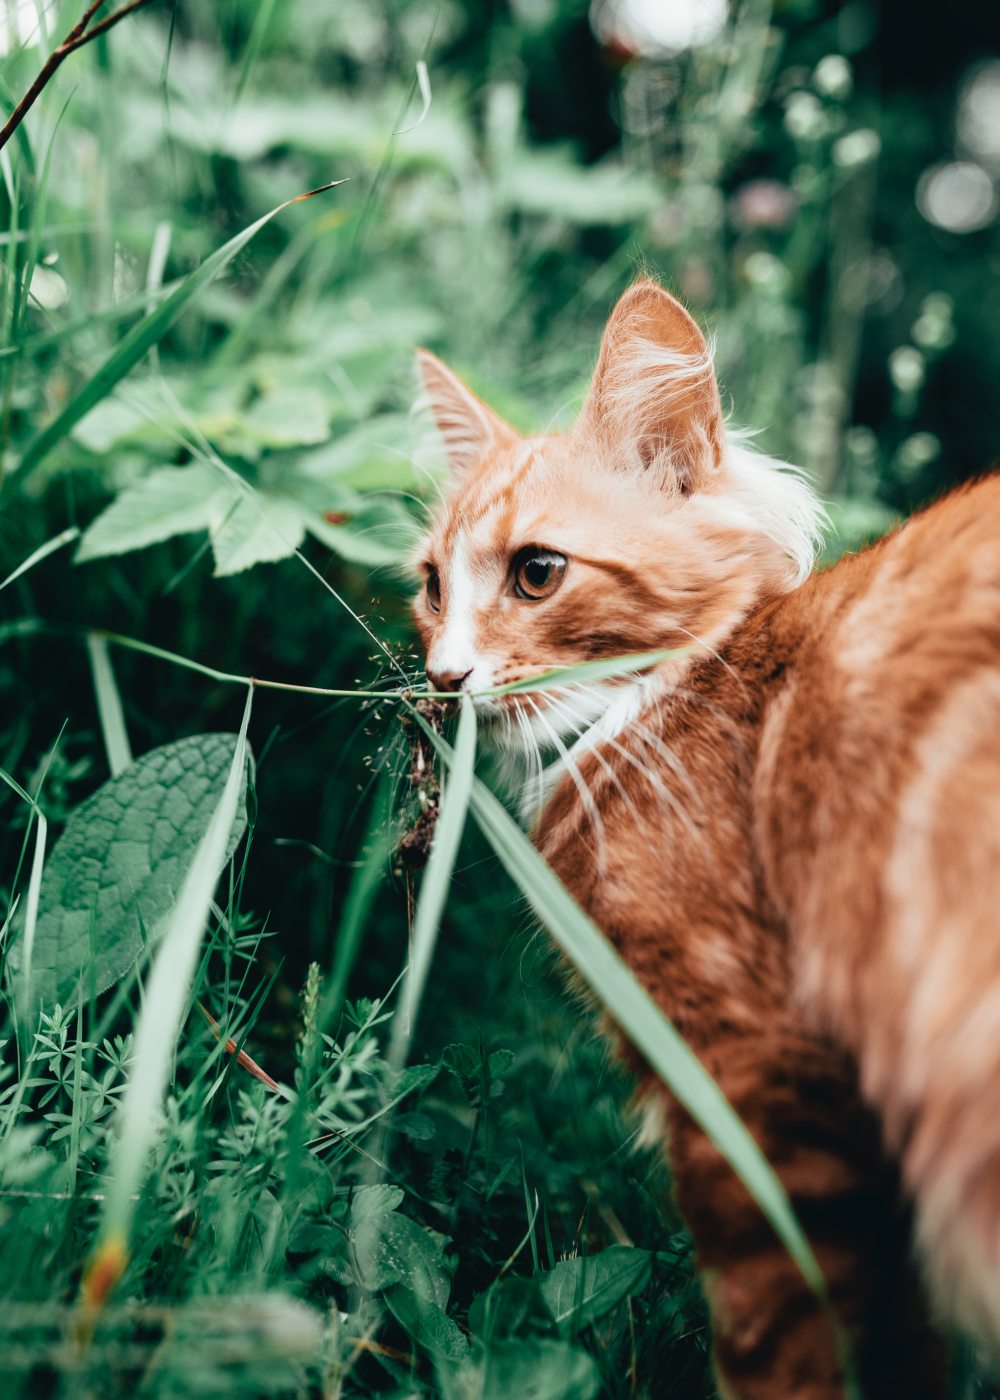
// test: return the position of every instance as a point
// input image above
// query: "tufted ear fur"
(654, 401)
(470, 430)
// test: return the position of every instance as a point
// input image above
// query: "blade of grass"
(42, 552)
(156, 1034)
(109, 706)
(424, 84)
(437, 877)
(601, 670)
(255, 44)
(376, 849)
(143, 336)
(631, 1006)
(34, 885)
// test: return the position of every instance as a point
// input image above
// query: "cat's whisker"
(668, 796)
(535, 781)
(568, 762)
(612, 776)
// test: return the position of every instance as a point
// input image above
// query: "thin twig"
(79, 35)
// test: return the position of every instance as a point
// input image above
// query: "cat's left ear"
(654, 401)
(470, 430)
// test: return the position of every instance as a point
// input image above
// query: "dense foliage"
(207, 448)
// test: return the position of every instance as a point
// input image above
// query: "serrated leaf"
(114, 874)
(257, 530)
(169, 501)
(577, 1291)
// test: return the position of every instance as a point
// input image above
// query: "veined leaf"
(169, 501)
(142, 337)
(258, 531)
(379, 533)
(113, 875)
(578, 1291)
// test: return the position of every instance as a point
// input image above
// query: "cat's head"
(645, 526)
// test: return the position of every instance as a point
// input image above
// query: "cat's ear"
(470, 430)
(654, 401)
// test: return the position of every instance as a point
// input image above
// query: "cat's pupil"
(537, 571)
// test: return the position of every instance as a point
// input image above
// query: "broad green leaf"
(369, 1202)
(380, 533)
(140, 339)
(169, 501)
(352, 457)
(528, 1368)
(287, 417)
(427, 1323)
(389, 1248)
(259, 529)
(578, 1291)
(112, 879)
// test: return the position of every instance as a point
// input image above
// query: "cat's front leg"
(774, 1340)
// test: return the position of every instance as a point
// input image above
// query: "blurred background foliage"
(818, 181)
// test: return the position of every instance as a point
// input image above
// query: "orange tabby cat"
(791, 833)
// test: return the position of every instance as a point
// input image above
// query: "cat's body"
(792, 833)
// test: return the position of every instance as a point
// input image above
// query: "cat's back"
(893, 674)
(877, 810)
(877, 795)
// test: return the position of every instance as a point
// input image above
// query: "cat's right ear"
(469, 429)
(654, 400)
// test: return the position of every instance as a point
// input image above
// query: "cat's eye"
(433, 586)
(537, 573)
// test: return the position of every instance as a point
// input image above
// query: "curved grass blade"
(34, 885)
(143, 336)
(601, 670)
(109, 705)
(156, 1034)
(437, 876)
(42, 552)
(424, 84)
(376, 848)
(631, 1006)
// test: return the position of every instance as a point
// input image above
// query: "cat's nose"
(448, 680)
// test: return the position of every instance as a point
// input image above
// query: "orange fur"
(791, 833)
